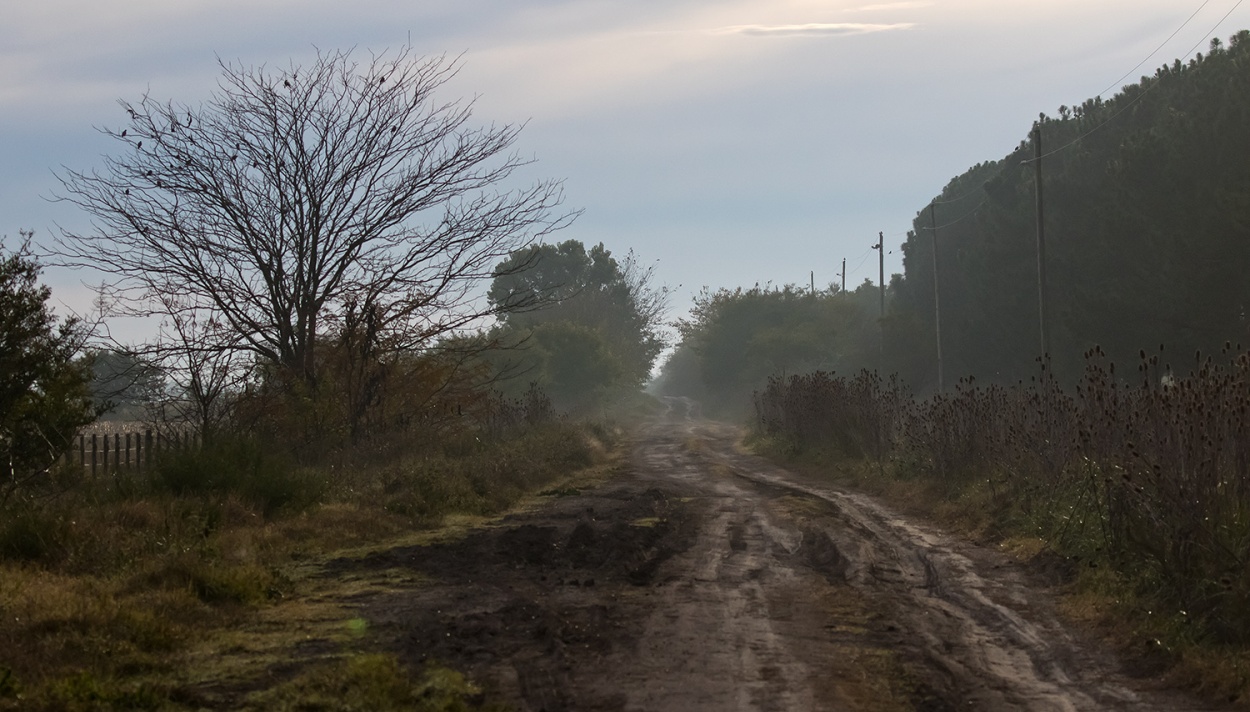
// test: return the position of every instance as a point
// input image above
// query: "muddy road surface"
(704, 578)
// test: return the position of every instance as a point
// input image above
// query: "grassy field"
(192, 584)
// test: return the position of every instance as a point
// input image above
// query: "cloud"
(904, 5)
(812, 29)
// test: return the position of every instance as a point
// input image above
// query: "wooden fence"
(100, 453)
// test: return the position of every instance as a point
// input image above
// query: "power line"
(1145, 90)
(961, 218)
(959, 199)
(1132, 103)
(862, 259)
(1163, 44)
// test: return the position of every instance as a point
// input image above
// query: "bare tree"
(650, 300)
(291, 194)
(203, 373)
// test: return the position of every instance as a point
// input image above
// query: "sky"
(730, 143)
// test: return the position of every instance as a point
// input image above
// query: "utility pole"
(1041, 241)
(880, 248)
(843, 274)
(937, 302)
(813, 275)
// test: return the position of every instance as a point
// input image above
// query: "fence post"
(94, 449)
(117, 451)
(82, 453)
(127, 451)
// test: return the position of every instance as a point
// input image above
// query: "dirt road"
(704, 578)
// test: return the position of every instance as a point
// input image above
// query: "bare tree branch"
(293, 193)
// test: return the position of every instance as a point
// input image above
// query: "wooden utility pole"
(844, 274)
(1041, 241)
(880, 248)
(813, 276)
(937, 301)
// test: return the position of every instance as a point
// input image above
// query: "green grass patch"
(647, 522)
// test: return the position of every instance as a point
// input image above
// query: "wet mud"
(704, 578)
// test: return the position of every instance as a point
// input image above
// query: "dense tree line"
(1147, 214)
(735, 339)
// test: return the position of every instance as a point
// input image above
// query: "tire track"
(995, 642)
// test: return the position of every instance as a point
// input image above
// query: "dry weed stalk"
(1152, 478)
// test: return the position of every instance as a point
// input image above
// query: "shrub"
(243, 467)
(44, 397)
(31, 533)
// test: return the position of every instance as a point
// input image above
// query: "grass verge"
(1125, 611)
(187, 587)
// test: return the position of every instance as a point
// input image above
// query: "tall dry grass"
(1145, 476)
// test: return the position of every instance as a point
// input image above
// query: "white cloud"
(811, 29)
(603, 59)
(886, 6)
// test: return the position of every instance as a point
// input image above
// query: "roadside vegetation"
(110, 583)
(1136, 495)
(325, 342)
(735, 339)
(592, 342)
(106, 584)
(1130, 484)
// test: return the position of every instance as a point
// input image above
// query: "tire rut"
(704, 578)
(981, 628)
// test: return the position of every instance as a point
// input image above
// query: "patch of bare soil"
(704, 578)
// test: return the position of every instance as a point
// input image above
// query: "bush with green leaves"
(581, 324)
(44, 398)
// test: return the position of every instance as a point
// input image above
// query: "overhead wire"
(1145, 90)
(863, 258)
(1132, 103)
(1163, 44)
(959, 219)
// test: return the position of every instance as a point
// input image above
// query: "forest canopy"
(1146, 215)
(1147, 224)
